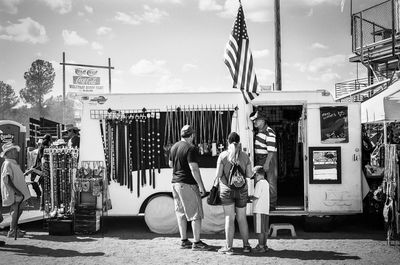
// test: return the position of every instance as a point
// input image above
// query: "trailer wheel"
(159, 215)
(324, 223)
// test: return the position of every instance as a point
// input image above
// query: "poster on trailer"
(334, 125)
(87, 80)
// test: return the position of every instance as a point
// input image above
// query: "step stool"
(273, 229)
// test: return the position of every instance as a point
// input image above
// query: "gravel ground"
(126, 240)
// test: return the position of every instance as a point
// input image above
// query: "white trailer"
(320, 172)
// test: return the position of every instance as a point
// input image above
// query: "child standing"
(260, 201)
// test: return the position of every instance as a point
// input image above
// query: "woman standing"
(234, 195)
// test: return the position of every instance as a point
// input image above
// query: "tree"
(54, 107)
(8, 99)
(39, 81)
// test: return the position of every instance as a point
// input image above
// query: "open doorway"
(285, 121)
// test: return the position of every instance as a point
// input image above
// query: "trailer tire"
(159, 215)
(324, 223)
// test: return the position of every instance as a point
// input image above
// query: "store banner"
(87, 80)
(334, 125)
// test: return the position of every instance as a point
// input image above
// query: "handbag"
(213, 198)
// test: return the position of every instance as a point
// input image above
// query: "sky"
(178, 45)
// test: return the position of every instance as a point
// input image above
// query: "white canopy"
(384, 106)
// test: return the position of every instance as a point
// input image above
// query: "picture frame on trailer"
(325, 165)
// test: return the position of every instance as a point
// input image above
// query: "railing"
(374, 24)
(344, 89)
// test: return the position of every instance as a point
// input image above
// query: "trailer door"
(333, 158)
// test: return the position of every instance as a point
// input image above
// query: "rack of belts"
(131, 142)
(134, 142)
(211, 124)
(60, 168)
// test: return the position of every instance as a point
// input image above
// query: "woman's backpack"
(237, 178)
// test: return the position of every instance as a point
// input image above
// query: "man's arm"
(194, 167)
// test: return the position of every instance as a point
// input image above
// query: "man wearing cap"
(72, 136)
(265, 153)
(13, 186)
(187, 188)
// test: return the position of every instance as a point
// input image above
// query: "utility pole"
(278, 73)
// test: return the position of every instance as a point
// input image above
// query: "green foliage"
(39, 81)
(8, 99)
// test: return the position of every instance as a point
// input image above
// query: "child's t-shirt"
(261, 191)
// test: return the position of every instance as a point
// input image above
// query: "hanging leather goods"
(144, 157)
(167, 135)
(130, 152)
(201, 140)
(228, 127)
(149, 154)
(206, 135)
(153, 148)
(214, 140)
(158, 157)
(220, 132)
(137, 136)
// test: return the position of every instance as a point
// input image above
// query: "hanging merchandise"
(59, 167)
(140, 140)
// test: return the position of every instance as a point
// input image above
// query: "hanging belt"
(137, 123)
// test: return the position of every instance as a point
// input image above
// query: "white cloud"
(318, 45)
(103, 31)
(168, 83)
(262, 11)
(188, 67)
(72, 38)
(323, 64)
(151, 15)
(126, 19)
(27, 30)
(9, 6)
(209, 5)
(325, 77)
(260, 53)
(60, 6)
(153, 68)
(89, 9)
(265, 76)
(97, 46)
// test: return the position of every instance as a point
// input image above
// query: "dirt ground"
(127, 240)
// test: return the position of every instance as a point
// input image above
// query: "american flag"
(239, 60)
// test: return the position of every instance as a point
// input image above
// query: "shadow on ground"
(306, 255)
(128, 227)
(26, 250)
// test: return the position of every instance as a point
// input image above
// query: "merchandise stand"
(381, 153)
(91, 196)
(59, 170)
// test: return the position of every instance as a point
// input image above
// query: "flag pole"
(278, 73)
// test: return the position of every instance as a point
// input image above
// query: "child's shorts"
(261, 223)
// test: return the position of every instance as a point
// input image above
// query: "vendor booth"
(380, 116)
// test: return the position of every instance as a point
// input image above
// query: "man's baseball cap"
(187, 131)
(257, 115)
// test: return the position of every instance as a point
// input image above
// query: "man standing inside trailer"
(265, 153)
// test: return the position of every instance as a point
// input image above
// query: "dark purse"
(213, 197)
